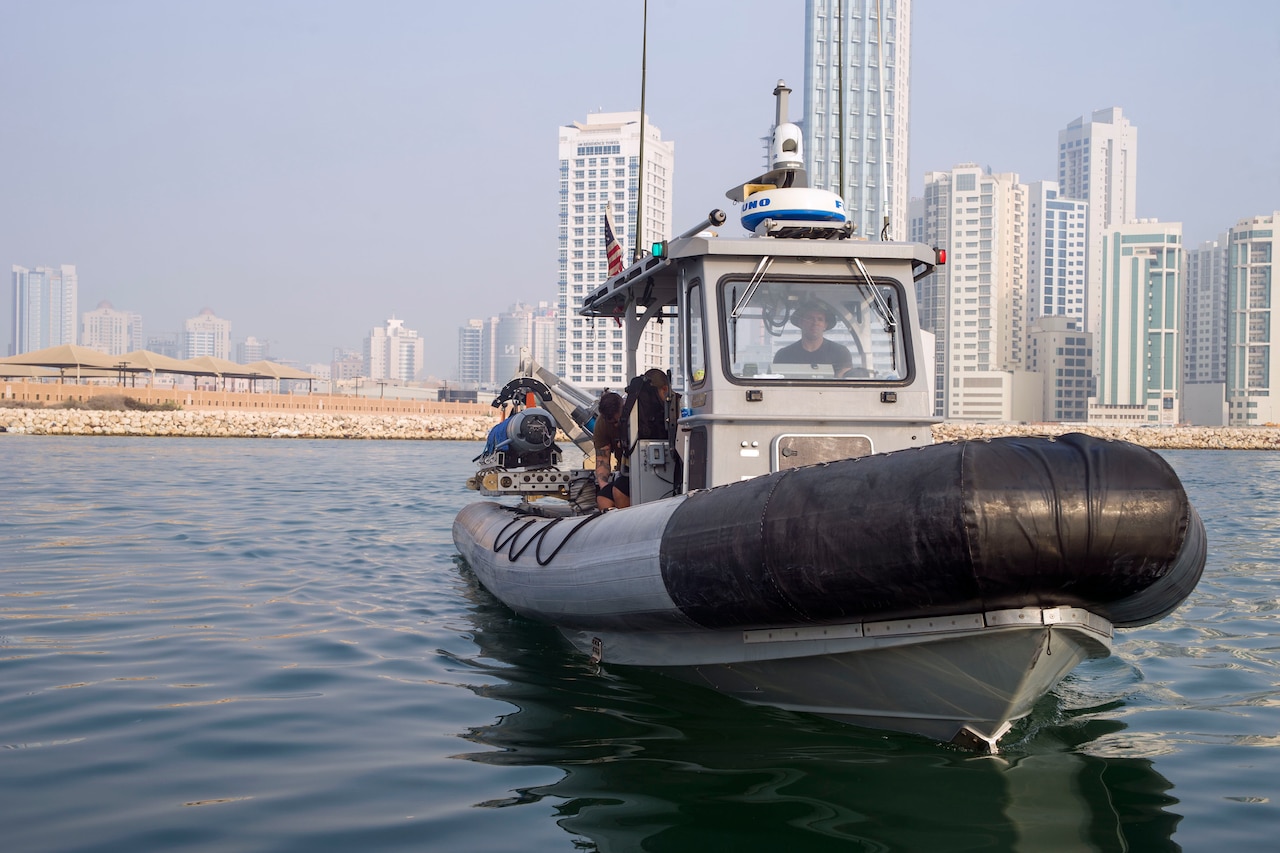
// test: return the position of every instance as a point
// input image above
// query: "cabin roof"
(610, 298)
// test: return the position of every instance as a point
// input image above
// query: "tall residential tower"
(975, 305)
(600, 170)
(1139, 341)
(392, 352)
(857, 85)
(44, 307)
(1205, 331)
(206, 334)
(1253, 325)
(1056, 244)
(1098, 163)
(110, 331)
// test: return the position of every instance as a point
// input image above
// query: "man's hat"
(807, 307)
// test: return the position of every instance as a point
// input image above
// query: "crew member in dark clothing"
(668, 400)
(607, 438)
(668, 413)
(813, 321)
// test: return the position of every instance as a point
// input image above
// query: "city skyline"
(310, 188)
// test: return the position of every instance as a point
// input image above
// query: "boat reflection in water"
(651, 763)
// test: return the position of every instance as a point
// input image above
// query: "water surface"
(272, 645)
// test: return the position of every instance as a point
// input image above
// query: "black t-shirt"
(830, 353)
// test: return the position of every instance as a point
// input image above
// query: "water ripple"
(273, 646)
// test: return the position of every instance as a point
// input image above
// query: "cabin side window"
(695, 338)
(799, 330)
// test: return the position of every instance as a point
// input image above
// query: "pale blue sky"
(308, 168)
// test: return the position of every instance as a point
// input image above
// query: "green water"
(272, 645)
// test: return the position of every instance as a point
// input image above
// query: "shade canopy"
(65, 357)
(271, 370)
(88, 362)
(141, 359)
(24, 371)
(209, 365)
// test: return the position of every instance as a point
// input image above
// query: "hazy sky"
(308, 168)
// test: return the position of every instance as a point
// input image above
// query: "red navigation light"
(941, 255)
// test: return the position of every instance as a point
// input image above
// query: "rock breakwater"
(234, 424)
(228, 424)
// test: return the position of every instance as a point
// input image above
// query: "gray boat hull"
(958, 684)
(962, 678)
(940, 591)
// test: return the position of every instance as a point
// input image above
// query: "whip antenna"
(644, 61)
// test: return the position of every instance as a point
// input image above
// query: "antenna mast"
(884, 124)
(644, 62)
(840, 122)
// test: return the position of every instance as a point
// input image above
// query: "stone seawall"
(232, 424)
(226, 424)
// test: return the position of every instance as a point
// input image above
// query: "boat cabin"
(795, 346)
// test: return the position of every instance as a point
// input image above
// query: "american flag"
(612, 248)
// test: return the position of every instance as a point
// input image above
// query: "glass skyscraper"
(44, 307)
(857, 84)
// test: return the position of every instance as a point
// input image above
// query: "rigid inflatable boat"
(796, 540)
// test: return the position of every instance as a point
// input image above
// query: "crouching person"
(612, 491)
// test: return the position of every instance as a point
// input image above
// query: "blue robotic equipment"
(527, 438)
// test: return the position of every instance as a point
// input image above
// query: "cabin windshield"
(814, 330)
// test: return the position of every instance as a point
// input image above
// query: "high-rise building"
(110, 331)
(489, 350)
(393, 352)
(544, 334)
(1098, 163)
(166, 344)
(1057, 235)
(915, 220)
(1061, 352)
(470, 338)
(206, 334)
(931, 224)
(1205, 329)
(975, 305)
(857, 84)
(346, 365)
(252, 349)
(521, 327)
(600, 169)
(1140, 375)
(44, 307)
(1252, 323)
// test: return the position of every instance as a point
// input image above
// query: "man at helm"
(814, 319)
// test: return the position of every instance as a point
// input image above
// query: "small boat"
(797, 540)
